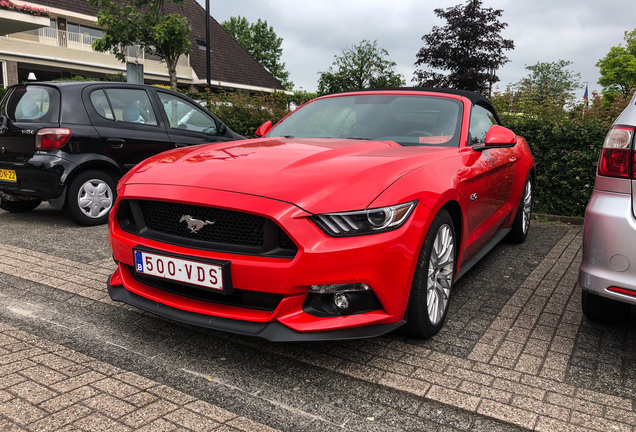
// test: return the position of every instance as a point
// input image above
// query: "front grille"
(222, 230)
(241, 298)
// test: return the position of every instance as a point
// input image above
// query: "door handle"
(116, 143)
(513, 159)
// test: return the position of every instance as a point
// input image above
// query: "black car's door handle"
(116, 143)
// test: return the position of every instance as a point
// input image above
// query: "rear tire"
(90, 197)
(20, 206)
(521, 224)
(602, 309)
(433, 280)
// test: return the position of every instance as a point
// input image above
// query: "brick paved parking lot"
(516, 353)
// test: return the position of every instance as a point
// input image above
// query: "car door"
(489, 178)
(188, 123)
(127, 123)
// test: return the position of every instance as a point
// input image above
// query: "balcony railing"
(83, 41)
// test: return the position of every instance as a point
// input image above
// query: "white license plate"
(177, 269)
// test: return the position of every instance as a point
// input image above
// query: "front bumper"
(385, 262)
(608, 246)
(273, 331)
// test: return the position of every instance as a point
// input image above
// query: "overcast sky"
(313, 32)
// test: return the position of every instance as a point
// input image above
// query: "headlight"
(362, 222)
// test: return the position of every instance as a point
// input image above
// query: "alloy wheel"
(440, 274)
(527, 205)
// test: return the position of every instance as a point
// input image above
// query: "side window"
(481, 120)
(101, 105)
(185, 115)
(125, 105)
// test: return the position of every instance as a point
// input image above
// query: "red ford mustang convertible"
(351, 217)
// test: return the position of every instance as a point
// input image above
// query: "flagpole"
(585, 99)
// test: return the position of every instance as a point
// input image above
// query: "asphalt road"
(515, 353)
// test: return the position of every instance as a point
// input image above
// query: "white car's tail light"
(616, 156)
(52, 138)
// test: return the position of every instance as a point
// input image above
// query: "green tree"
(466, 52)
(618, 67)
(362, 66)
(550, 83)
(146, 24)
(261, 41)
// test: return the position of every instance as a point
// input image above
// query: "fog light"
(342, 301)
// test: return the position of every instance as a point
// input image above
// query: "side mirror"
(222, 129)
(263, 129)
(500, 136)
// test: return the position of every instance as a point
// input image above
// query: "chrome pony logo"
(194, 225)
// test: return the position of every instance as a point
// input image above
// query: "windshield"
(33, 103)
(405, 119)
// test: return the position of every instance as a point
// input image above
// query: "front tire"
(90, 197)
(433, 280)
(20, 206)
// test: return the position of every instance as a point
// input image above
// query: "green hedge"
(244, 113)
(566, 145)
(566, 153)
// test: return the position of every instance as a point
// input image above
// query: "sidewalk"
(46, 387)
(538, 364)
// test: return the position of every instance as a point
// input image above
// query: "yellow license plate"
(8, 175)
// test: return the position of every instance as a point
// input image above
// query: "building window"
(82, 34)
(47, 30)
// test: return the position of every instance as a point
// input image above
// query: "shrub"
(566, 145)
(244, 113)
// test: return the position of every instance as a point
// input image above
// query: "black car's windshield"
(406, 119)
(33, 103)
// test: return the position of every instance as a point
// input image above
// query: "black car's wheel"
(603, 309)
(90, 197)
(19, 206)
(433, 280)
(521, 224)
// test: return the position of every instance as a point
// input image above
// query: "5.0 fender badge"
(194, 225)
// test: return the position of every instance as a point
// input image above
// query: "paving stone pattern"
(515, 354)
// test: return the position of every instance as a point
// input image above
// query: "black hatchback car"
(68, 143)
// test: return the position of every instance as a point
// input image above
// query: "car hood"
(317, 175)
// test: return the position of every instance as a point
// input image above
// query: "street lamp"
(207, 43)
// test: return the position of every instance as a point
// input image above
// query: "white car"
(607, 274)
